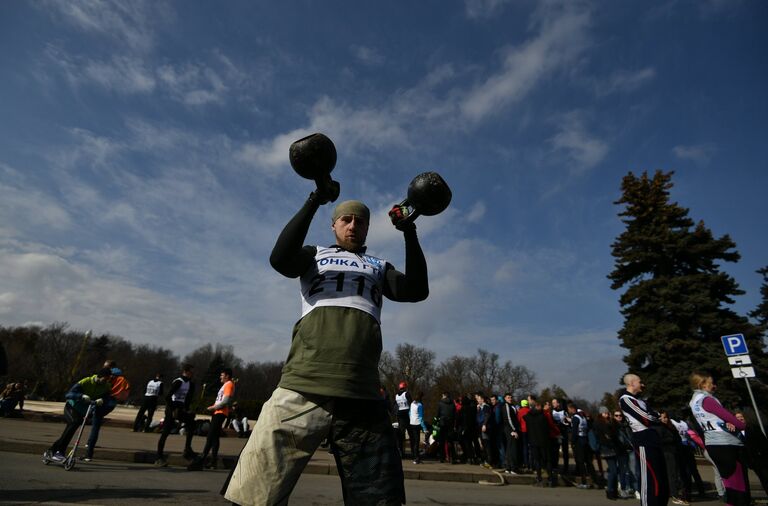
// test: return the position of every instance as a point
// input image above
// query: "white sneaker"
(58, 457)
(637, 495)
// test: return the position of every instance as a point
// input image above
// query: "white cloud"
(193, 84)
(86, 298)
(698, 153)
(481, 9)
(625, 81)
(367, 55)
(25, 207)
(583, 148)
(124, 22)
(560, 40)
(476, 213)
(122, 74)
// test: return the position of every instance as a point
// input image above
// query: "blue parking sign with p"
(735, 345)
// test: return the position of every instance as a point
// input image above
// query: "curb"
(226, 462)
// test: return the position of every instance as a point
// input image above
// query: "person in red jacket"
(554, 436)
(521, 412)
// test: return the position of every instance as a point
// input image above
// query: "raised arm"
(289, 257)
(413, 285)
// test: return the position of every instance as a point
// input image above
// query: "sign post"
(741, 365)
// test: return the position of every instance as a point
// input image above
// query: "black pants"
(554, 453)
(565, 447)
(689, 473)
(466, 441)
(148, 406)
(582, 453)
(414, 436)
(730, 464)
(403, 422)
(74, 420)
(446, 438)
(540, 459)
(510, 455)
(173, 413)
(654, 484)
(214, 433)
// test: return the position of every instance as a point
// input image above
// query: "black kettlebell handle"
(327, 187)
(411, 214)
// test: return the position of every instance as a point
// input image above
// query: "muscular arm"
(413, 285)
(288, 256)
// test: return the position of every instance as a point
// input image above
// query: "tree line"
(50, 359)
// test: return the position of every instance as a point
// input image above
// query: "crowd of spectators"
(557, 441)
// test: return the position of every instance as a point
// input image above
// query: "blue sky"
(144, 170)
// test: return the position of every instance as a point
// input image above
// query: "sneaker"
(486, 465)
(677, 500)
(417, 462)
(190, 455)
(211, 465)
(161, 462)
(637, 495)
(58, 457)
(508, 471)
(87, 459)
(582, 486)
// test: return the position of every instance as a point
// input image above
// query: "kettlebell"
(314, 157)
(428, 194)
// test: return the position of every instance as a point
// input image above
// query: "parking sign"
(735, 345)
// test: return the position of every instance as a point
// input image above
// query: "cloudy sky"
(144, 170)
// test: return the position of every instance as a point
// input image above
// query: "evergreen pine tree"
(760, 313)
(676, 298)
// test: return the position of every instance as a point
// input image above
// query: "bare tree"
(486, 370)
(454, 375)
(411, 364)
(55, 355)
(517, 379)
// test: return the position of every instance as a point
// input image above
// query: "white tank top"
(342, 278)
(180, 395)
(402, 401)
(153, 388)
(414, 414)
(706, 420)
(713, 426)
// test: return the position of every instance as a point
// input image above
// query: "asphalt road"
(25, 480)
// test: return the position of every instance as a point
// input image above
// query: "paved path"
(117, 442)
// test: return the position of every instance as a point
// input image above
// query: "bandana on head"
(354, 207)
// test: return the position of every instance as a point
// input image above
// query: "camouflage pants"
(289, 430)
